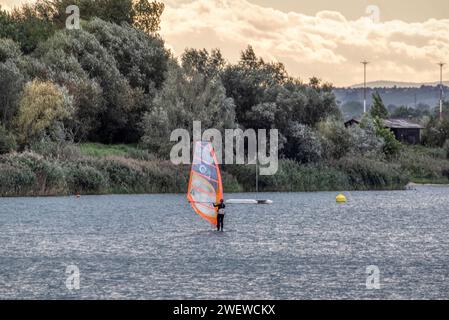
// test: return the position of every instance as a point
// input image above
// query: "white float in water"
(248, 201)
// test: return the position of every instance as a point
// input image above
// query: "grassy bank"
(345, 174)
(425, 165)
(94, 169)
(124, 169)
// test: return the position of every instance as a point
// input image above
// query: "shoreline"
(415, 184)
(407, 188)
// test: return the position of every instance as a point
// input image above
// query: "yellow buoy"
(341, 198)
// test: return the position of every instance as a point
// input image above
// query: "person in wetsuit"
(221, 213)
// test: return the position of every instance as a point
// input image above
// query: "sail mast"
(257, 174)
(257, 168)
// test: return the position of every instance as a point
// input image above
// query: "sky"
(403, 40)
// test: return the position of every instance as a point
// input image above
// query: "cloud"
(326, 45)
(9, 4)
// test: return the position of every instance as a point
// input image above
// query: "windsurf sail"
(205, 186)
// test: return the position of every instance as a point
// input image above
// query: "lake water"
(304, 246)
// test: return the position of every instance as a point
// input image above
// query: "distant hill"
(392, 84)
(409, 96)
(421, 96)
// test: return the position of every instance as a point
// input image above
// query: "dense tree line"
(32, 24)
(113, 81)
(110, 71)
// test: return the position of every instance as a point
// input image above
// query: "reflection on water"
(304, 246)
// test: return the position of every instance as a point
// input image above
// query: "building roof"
(401, 124)
(392, 123)
(352, 120)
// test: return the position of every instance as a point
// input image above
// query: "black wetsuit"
(220, 217)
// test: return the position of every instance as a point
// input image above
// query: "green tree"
(252, 82)
(436, 132)
(364, 139)
(7, 141)
(147, 15)
(9, 49)
(391, 146)
(408, 112)
(304, 144)
(308, 104)
(140, 57)
(115, 11)
(30, 25)
(337, 140)
(142, 14)
(7, 26)
(42, 110)
(82, 54)
(435, 112)
(182, 100)
(352, 109)
(88, 104)
(11, 84)
(378, 109)
(201, 61)
(266, 97)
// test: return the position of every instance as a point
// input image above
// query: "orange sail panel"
(205, 186)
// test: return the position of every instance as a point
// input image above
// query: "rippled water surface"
(304, 246)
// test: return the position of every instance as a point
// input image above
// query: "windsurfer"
(221, 213)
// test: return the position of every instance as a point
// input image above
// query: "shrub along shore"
(93, 168)
(98, 169)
